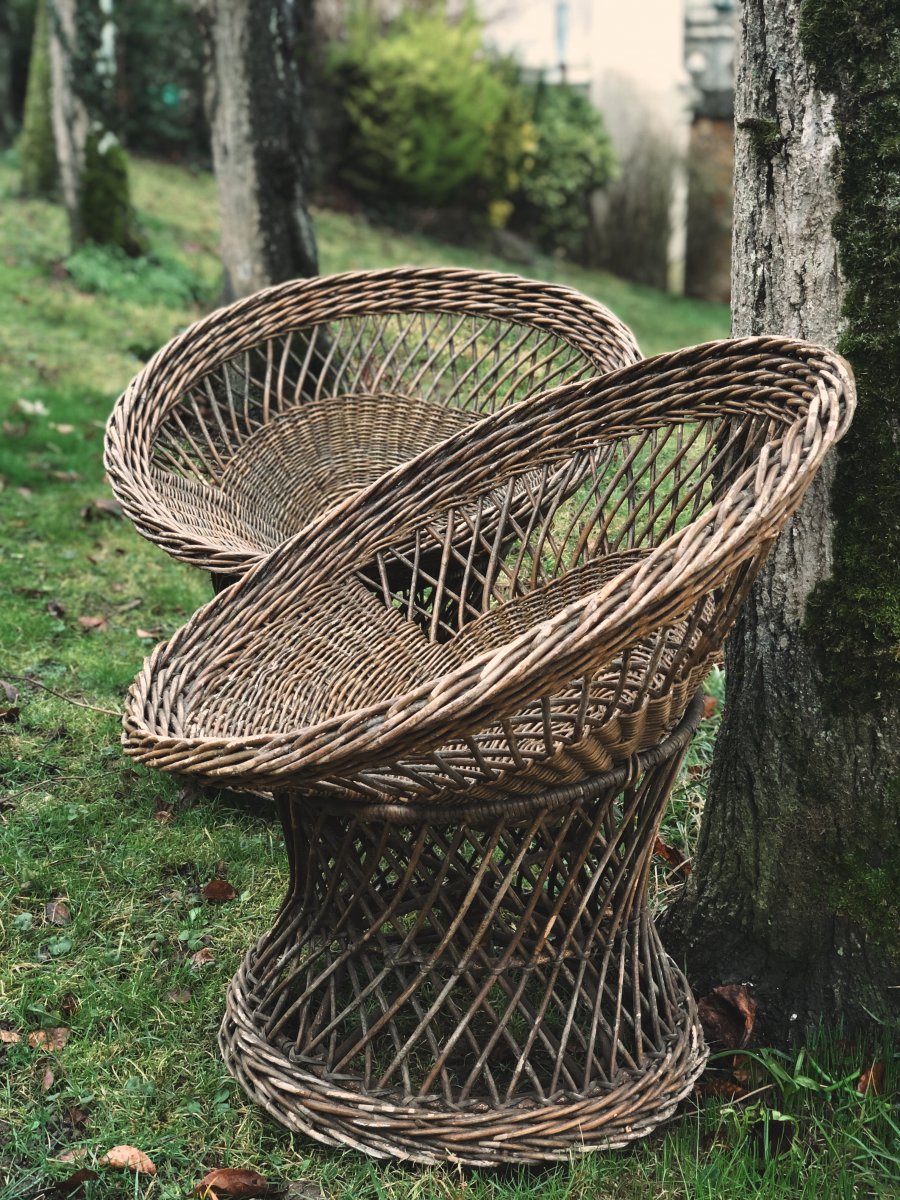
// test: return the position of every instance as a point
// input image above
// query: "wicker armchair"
(259, 417)
(471, 775)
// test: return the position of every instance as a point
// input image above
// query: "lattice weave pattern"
(491, 990)
(259, 417)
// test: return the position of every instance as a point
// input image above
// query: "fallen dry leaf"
(148, 633)
(9, 703)
(128, 1158)
(672, 856)
(719, 1087)
(57, 912)
(61, 427)
(9, 1037)
(218, 891)
(728, 1015)
(710, 704)
(55, 609)
(73, 1155)
(202, 957)
(235, 1182)
(73, 1187)
(101, 508)
(47, 1080)
(178, 995)
(100, 623)
(49, 1039)
(871, 1082)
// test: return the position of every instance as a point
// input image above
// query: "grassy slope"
(76, 821)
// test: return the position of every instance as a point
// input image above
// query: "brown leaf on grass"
(101, 508)
(89, 623)
(710, 704)
(871, 1082)
(57, 912)
(162, 809)
(9, 703)
(55, 609)
(178, 995)
(719, 1087)
(76, 1117)
(47, 1080)
(73, 1155)
(9, 1037)
(201, 957)
(128, 1158)
(234, 1182)
(728, 1015)
(153, 634)
(73, 1187)
(49, 1039)
(673, 857)
(218, 891)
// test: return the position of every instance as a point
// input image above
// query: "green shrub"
(150, 280)
(572, 158)
(432, 119)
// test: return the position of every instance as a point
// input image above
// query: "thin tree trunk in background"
(260, 127)
(70, 117)
(7, 125)
(796, 882)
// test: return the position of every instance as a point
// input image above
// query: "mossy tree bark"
(92, 165)
(37, 150)
(796, 883)
(261, 138)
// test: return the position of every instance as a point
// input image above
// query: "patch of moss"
(865, 886)
(766, 139)
(105, 204)
(37, 148)
(854, 47)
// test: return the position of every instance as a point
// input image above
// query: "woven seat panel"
(194, 446)
(531, 600)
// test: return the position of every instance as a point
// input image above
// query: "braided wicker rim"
(804, 390)
(585, 324)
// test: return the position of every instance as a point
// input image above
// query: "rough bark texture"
(70, 117)
(260, 139)
(797, 875)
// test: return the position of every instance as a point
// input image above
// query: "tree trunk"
(796, 882)
(260, 139)
(36, 146)
(7, 125)
(92, 165)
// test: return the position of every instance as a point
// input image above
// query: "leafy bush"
(573, 157)
(432, 120)
(149, 280)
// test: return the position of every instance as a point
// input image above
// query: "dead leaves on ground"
(128, 1158)
(100, 624)
(49, 1039)
(672, 856)
(98, 509)
(218, 891)
(728, 1015)
(236, 1183)
(871, 1081)
(57, 912)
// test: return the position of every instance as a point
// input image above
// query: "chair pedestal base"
(484, 990)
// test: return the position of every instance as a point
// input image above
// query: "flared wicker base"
(485, 989)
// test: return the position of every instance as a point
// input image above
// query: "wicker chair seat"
(259, 417)
(324, 672)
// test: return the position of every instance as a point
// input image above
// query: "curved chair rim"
(585, 634)
(218, 337)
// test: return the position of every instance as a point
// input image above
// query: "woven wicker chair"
(259, 417)
(471, 777)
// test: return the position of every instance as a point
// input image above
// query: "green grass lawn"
(126, 853)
